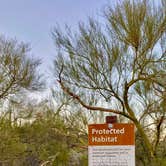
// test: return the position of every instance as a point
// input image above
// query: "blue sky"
(31, 21)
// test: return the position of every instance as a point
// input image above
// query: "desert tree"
(18, 70)
(121, 62)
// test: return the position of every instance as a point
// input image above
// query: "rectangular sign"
(111, 145)
(111, 155)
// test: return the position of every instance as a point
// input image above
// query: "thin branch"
(158, 127)
(94, 108)
(9, 86)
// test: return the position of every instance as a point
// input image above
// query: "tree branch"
(158, 127)
(89, 107)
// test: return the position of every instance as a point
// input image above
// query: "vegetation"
(17, 70)
(117, 67)
(121, 63)
(45, 138)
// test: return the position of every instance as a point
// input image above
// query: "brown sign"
(111, 134)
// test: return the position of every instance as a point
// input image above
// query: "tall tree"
(121, 62)
(18, 70)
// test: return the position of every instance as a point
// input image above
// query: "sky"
(32, 21)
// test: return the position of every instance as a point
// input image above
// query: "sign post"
(111, 144)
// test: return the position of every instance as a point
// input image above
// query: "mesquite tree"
(121, 62)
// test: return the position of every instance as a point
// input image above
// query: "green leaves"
(17, 71)
(120, 62)
(48, 138)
